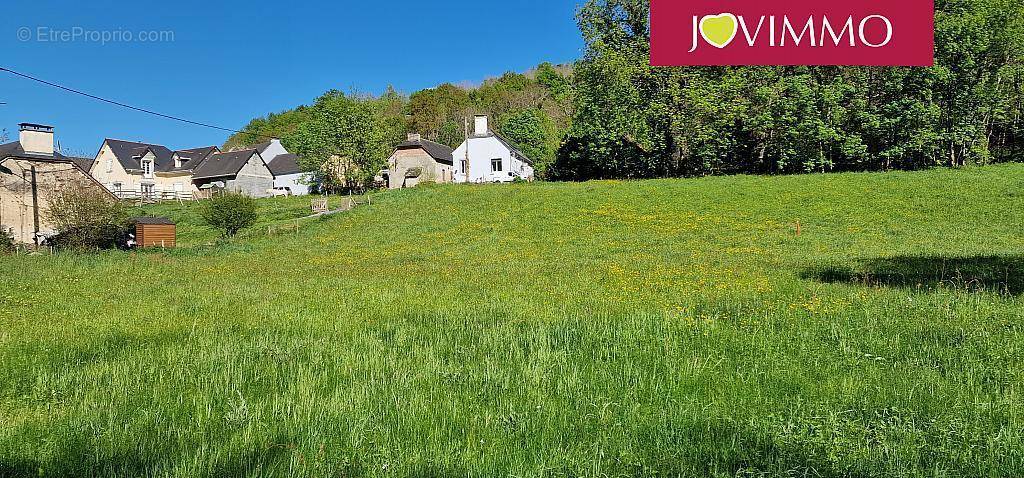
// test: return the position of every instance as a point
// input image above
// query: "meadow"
(854, 325)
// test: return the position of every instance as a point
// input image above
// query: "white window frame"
(500, 163)
(147, 168)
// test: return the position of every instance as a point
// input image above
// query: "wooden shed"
(155, 232)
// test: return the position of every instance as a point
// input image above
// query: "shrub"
(88, 218)
(7, 244)
(108, 236)
(229, 213)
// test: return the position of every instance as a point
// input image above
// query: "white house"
(487, 158)
(288, 177)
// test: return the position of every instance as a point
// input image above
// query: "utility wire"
(135, 108)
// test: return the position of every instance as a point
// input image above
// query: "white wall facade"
(296, 183)
(481, 151)
(274, 150)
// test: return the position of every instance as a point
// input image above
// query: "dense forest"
(611, 115)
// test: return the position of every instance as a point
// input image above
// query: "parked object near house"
(486, 157)
(242, 172)
(133, 170)
(155, 232)
(419, 161)
(288, 177)
(31, 172)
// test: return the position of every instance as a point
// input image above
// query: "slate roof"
(284, 164)
(439, 152)
(128, 154)
(220, 165)
(15, 150)
(508, 145)
(260, 148)
(192, 158)
(84, 163)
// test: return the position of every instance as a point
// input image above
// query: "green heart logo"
(719, 30)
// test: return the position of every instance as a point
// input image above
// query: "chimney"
(36, 138)
(480, 123)
(415, 137)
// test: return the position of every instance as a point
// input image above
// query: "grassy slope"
(544, 329)
(192, 231)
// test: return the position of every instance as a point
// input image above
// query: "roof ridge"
(133, 142)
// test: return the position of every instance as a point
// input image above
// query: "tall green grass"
(669, 328)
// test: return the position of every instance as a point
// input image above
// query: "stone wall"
(16, 205)
(405, 160)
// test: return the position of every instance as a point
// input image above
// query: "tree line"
(346, 138)
(611, 115)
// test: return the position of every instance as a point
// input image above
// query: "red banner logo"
(795, 32)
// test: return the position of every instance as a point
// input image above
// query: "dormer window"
(147, 168)
(177, 162)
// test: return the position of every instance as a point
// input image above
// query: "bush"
(229, 213)
(7, 244)
(88, 218)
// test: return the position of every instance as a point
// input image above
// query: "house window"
(465, 167)
(110, 165)
(496, 165)
(117, 187)
(147, 169)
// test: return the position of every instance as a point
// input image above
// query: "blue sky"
(230, 61)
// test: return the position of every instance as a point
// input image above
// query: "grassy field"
(670, 328)
(192, 230)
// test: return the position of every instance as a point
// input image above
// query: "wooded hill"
(615, 116)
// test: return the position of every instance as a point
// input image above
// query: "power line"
(134, 108)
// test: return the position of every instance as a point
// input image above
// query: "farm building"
(242, 172)
(288, 177)
(486, 157)
(419, 161)
(31, 172)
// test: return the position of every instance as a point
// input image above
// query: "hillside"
(674, 327)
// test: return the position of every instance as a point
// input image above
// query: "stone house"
(31, 172)
(130, 169)
(419, 161)
(242, 172)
